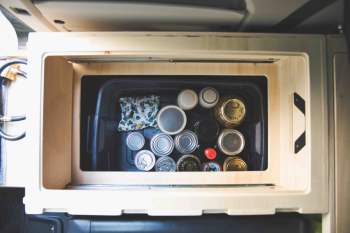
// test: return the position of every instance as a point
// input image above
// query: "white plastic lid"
(208, 97)
(187, 99)
(171, 120)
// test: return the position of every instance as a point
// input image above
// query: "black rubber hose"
(18, 118)
(15, 118)
(11, 137)
(12, 62)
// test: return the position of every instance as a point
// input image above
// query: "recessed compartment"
(101, 114)
(271, 134)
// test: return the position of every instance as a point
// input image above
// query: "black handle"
(90, 133)
(300, 104)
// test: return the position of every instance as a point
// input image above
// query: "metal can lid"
(162, 144)
(186, 142)
(171, 119)
(210, 153)
(165, 164)
(234, 110)
(207, 129)
(235, 164)
(211, 167)
(145, 160)
(187, 99)
(135, 141)
(188, 163)
(231, 142)
(208, 97)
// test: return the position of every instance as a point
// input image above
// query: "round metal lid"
(171, 119)
(145, 160)
(207, 129)
(135, 141)
(234, 110)
(231, 142)
(211, 167)
(165, 164)
(235, 164)
(188, 163)
(162, 144)
(186, 142)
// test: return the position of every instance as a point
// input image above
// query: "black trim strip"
(304, 12)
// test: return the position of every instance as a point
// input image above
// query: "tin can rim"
(223, 134)
(193, 146)
(133, 134)
(162, 159)
(169, 149)
(150, 154)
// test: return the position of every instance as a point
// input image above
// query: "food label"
(211, 167)
(234, 110)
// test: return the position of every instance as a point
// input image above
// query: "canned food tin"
(230, 111)
(234, 164)
(230, 142)
(145, 160)
(188, 163)
(211, 167)
(135, 141)
(162, 144)
(165, 164)
(186, 142)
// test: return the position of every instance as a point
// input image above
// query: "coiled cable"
(4, 88)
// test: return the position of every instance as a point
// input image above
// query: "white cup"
(187, 99)
(208, 97)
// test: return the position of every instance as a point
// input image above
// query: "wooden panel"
(269, 70)
(342, 139)
(184, 200)
(294, 167)
(57, 123)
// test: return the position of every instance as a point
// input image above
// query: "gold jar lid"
(235, 164)
(233, 110)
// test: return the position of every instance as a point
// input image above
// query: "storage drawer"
(295, 180)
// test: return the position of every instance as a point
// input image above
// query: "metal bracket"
(301, 141)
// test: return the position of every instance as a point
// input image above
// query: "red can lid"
(210, 153)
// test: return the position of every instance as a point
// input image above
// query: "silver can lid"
(165, 164)
(231, 142)
(145, 160)
(162, 144)
(186, 142)
(135, 141)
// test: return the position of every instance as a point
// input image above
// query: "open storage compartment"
(107, 145)
(278, 163)
(296, 175)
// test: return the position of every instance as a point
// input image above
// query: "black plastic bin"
(107, 145)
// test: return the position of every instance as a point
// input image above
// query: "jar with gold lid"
(234, 164)
(230, 111)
